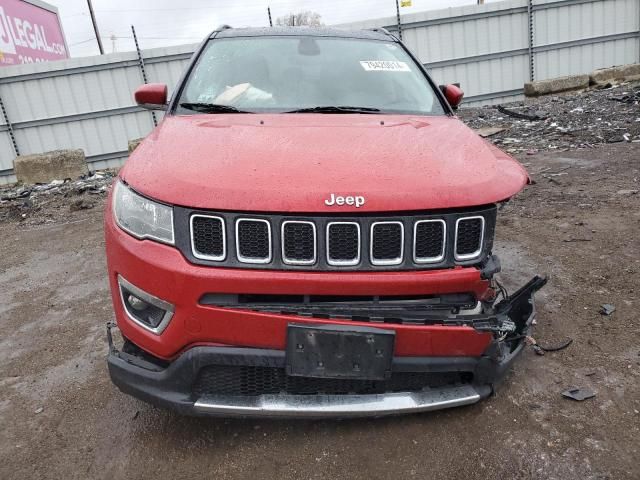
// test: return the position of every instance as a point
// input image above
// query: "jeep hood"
(293, 162)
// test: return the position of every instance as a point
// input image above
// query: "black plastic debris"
(538, 115)
(541, 349)
(578, 394)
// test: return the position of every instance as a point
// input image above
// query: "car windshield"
(284, 74)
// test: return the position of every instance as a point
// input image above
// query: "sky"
(169, 22)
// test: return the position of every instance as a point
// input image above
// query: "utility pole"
(95, 27)
(269, 13)
(398, 17)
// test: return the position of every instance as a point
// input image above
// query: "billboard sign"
(30, 31)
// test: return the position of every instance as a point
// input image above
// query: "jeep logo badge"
(348, 200)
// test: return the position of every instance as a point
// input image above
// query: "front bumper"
(177, 385)
(172, 387)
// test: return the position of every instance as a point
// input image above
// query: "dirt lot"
(60, 417)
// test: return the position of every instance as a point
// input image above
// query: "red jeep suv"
(309, 232)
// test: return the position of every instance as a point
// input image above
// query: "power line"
(83, 41)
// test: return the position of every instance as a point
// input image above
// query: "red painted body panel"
(162, 271)
(241, 162)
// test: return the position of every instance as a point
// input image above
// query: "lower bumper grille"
(255, 381)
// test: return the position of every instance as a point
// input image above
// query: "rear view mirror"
(152, 96)
(454, 95)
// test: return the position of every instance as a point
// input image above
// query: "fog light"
(136, 303)
(150, 312)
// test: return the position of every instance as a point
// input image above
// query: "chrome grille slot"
(298, 242)
(469, 237)
(343, 243)
(253, 240)
(208, 238)
(387, 243)
(429, 241)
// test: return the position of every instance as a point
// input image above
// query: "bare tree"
(306, 18)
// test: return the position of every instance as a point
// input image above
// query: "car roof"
(374, 34)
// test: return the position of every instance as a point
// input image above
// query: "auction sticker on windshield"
(385, 66)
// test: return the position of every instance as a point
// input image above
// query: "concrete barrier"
(49, 166)
(622, 72)
(556, 85)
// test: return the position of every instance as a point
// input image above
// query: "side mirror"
(152, 96)
(454, 95)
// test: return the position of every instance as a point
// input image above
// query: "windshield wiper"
(211, 108)
(335, 109)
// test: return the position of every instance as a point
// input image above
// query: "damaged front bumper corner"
(510, 322)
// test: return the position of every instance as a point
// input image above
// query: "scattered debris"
(24, 202)
(597, 116)
(578, 394)
(485, 132)
(627, 97)
(558, 347)
(81, 204)
(540, 349)
(539, 115)
(607, 309)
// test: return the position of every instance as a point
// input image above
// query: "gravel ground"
(60, 417)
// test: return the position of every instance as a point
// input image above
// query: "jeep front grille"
(367, 242)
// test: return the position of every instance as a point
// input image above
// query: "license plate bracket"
(339, 351)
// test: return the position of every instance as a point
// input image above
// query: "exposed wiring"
(503, 291)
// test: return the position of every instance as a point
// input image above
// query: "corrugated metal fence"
(81, 103)
(491, 49)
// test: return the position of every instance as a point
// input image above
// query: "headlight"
(141, 217)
